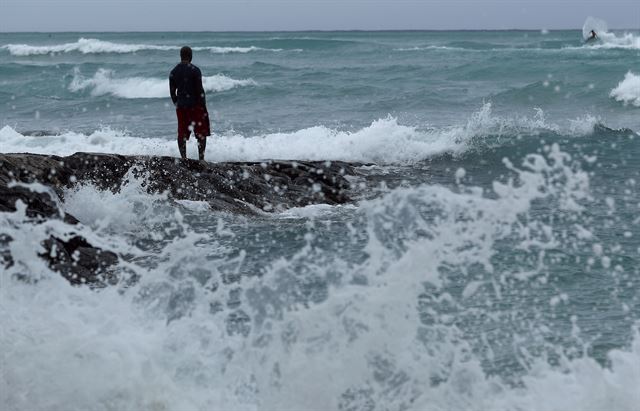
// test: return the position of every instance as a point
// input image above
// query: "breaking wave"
(103, 82)
(387, 333)
(385, 141)
(225, 50)
(612, 41)
(607, 39)
(417, 48)
(628, 90)
(95, 46)
(85, 46)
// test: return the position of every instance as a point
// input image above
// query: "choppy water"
(494, 265)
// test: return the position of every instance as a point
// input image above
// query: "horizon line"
(297, 31)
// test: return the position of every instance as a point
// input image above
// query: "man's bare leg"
(202, 144)
(182, 147)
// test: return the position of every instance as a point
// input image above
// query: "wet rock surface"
(38, 181)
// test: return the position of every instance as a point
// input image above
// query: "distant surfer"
(187, 94)
(592, 36)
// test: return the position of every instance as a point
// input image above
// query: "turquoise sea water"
(493, 255)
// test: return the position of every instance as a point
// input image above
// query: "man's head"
(186, 54)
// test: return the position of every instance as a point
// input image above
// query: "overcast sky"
(225, 15)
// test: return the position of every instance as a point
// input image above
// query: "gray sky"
(225, 15)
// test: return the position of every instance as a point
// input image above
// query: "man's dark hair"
(186, 54)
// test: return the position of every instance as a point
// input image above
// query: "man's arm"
(172, 89)
(200, 89)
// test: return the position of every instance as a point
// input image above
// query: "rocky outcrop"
(39, 181)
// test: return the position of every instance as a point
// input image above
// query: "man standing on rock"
(187, 93)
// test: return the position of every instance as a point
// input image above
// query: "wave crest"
(611, 41)
(104, 83)
(225, 50)
(95, 46)
(384, 141)
(84, 46)
(607, 39)
(628, 90)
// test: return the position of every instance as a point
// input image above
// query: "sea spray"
(188, 338)
(628, 90)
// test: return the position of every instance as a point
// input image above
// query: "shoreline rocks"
(248, 188)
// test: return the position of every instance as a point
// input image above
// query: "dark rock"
(80, 262)
(232, 187)
(6, 260)
(39, 181)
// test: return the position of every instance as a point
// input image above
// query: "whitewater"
(490, 258)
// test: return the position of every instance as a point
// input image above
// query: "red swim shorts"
(194, 119)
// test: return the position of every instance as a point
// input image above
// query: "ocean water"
(490, 262)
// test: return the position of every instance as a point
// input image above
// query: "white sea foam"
(416, 48)
(85, 46)
(613, 41)
(313, 211)
(95, 46)
(130, 209)
(225, 50)
(385, 141)
(105, 82)
(156, 344)
(628, 90)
